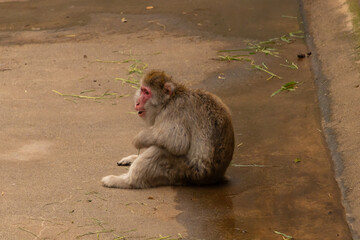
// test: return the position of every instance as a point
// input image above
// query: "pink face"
(145, 94)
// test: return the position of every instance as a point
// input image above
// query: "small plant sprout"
(284, 236)
(290, 86)
(288, 65)
(264, 68)
(297, 34)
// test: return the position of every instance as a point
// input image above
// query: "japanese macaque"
(189, 139)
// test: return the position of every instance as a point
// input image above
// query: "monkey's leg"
(127, 161)
(116, 181)
(154, 167)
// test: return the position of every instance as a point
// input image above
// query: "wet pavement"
(54, 149)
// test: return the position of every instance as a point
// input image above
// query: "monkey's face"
(151, 98)
(141, 98)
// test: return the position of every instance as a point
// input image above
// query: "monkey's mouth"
(141, 113)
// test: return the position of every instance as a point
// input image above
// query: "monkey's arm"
(144, 139)
(175, 138)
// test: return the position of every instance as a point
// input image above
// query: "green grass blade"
(287, 237)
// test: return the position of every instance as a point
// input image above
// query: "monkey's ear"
(169, 88)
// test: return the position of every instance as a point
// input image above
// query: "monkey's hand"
(127, 161)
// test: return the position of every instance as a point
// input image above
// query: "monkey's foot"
(115, 181)
(127, 161)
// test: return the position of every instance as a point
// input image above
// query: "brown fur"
(190, 138)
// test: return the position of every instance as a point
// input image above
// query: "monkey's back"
(212, 143)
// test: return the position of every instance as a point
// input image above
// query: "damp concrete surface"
(67, 117)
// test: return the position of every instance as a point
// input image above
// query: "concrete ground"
(66, 119)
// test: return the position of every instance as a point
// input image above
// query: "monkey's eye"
(145, 91)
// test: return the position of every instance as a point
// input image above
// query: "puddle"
(32, 151)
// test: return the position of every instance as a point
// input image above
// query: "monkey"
(189, 139)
